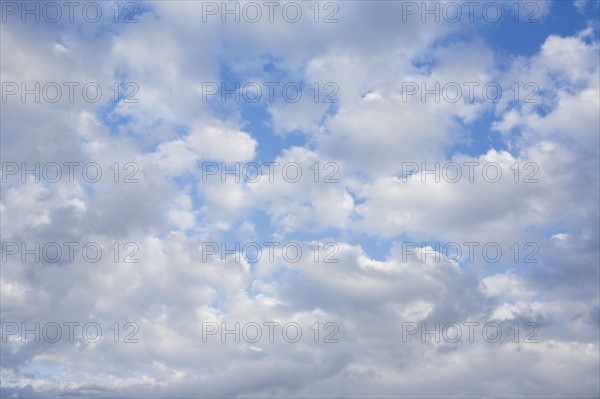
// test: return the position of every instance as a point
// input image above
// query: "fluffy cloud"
(363, 194)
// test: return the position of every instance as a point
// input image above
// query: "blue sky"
(546, 222)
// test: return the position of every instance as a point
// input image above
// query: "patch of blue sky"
(477, 137)
(254, 112)
(262, 225)
(219, 301)
(376, 247)
(523, 26)
(254, 118)
(258, 122)
(41, 369)
(139, 9)
(510, 39)
(526, 38)
(115, 122)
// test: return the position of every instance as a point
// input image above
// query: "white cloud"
(368, 135)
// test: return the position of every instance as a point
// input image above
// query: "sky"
(309, 199)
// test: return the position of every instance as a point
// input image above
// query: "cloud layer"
(377, 175)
